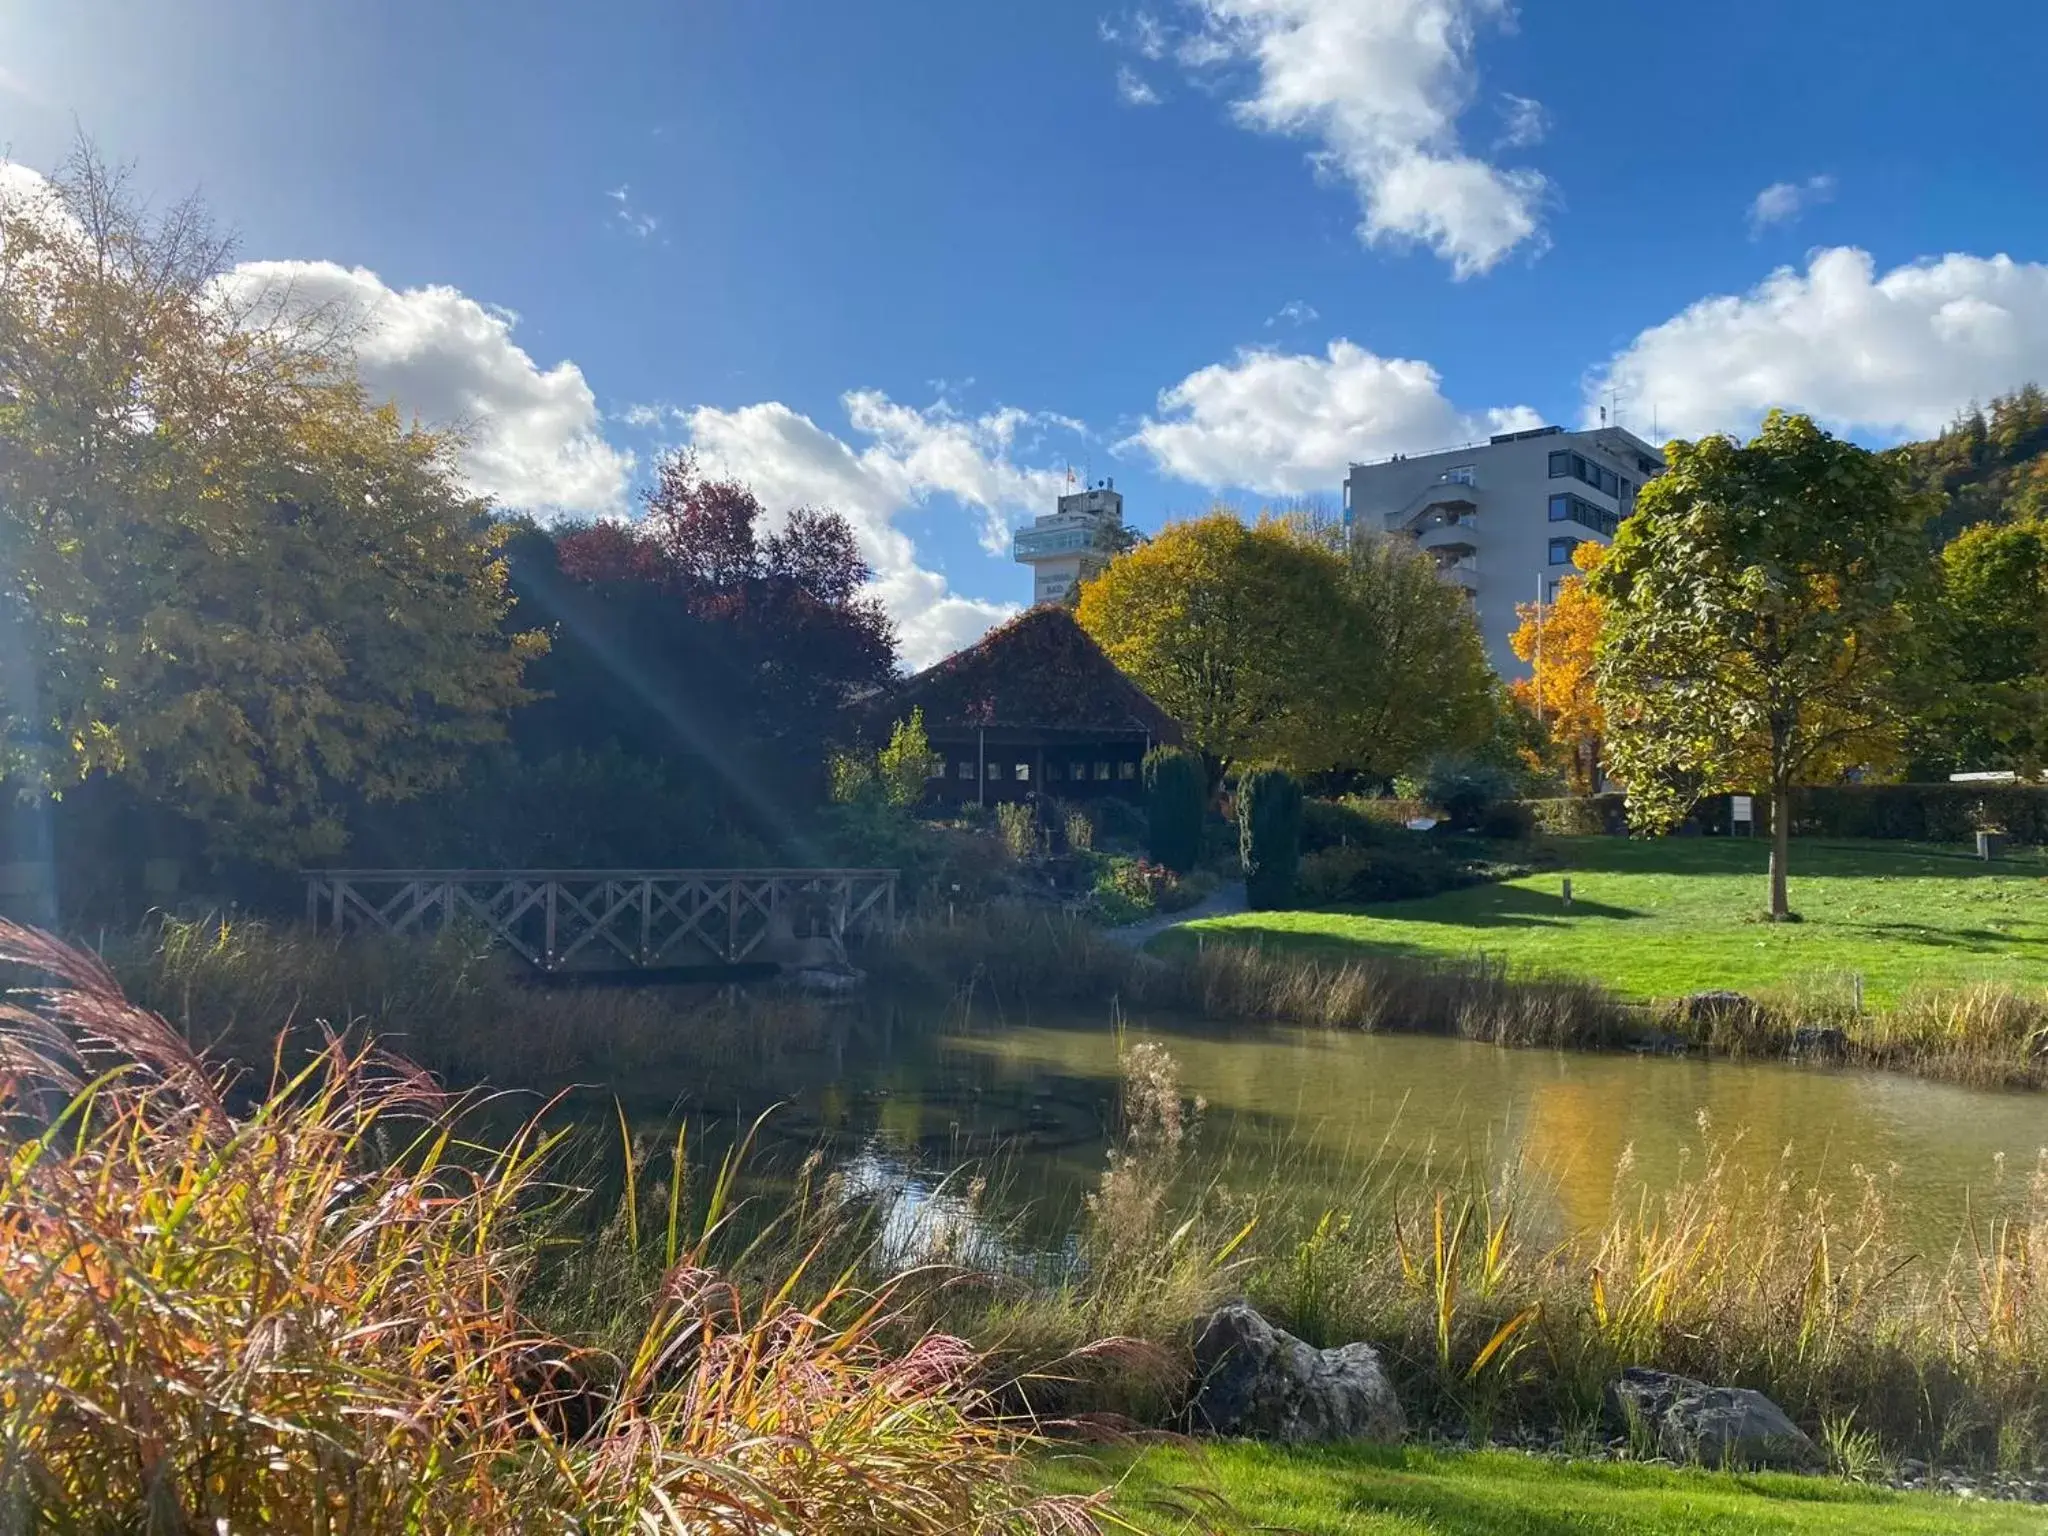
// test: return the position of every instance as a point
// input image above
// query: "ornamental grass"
(301, 1310)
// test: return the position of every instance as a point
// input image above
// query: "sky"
(923, 262)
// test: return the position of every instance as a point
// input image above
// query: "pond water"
(1031, 1106)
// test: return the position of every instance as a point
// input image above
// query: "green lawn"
(1366, 1491)
(1661, 918)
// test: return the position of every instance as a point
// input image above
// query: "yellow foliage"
(1560, 639)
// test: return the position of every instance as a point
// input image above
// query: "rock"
(1815, 1040)
(826, 981)
(1657, 1043)
(1691, 1422)
(1261, 1382)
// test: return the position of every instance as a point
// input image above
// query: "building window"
(1574, 466)
(1127, 770)
(1561, 465)
(1463, 475)
(1561, 550)
(995, 770)
(1102, 772)
(1022, 774)
(967, 770)
(1566, 508)
(935, 768)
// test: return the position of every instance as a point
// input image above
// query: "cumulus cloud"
(1289, 424)
(909, 456)
(1783, 201)
(1133, 90)
(532, 439)
(1894, 355)
(1379, 86)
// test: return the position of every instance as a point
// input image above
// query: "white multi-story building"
(1501, 518)
(1066, 547)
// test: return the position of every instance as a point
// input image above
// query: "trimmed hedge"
(1918, 813)
(1924, 813)
(1581, 815)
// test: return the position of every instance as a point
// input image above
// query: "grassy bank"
(1369, 1491)
(1660, 918)
(1488, 1323)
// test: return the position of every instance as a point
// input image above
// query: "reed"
(309, 1315)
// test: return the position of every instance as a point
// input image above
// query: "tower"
(1067, 546)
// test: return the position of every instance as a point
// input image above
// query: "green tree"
(897, 775)
(1985, 683)
(1755, 608)
(226, 577)
(1409, 669)
(1269, 837)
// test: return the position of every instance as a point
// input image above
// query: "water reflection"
(1030, 1107)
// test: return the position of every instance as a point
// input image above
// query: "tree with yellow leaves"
(1559, 639)
(228, 579)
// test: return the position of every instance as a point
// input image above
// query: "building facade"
(1066, 547)
(1501, 518)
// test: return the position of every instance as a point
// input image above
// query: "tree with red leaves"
(700, 632)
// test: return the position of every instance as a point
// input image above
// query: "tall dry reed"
(307, 1316)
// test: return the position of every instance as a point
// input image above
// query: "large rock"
(1691, 1422)
(1262, 1383)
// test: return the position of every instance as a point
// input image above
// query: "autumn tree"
(230, 581)
(1225, 625)
(1560, 639)
(1753, 615)
(703, 632)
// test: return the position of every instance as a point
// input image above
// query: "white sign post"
(1741, 813)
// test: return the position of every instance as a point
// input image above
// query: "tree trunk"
(1781, 849)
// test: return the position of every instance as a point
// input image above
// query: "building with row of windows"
(1502, 517)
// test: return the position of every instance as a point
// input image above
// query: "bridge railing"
(641, 917)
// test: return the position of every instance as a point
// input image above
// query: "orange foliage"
(1558, 638)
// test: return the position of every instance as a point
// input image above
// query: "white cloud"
(1133, 90)
(532, 439)
(1144, 32)
(1894, 356)
(634, 220)
(1380, 86)
(1783, 201)
(1295, 312)
(1523, 122)
(910, 456)
(1288, 424)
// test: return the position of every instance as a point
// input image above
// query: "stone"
(1819, 1040)
(1260, 1382)
(1693, 1423)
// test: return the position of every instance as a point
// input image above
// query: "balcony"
(1460, 570)
(1452, 495)
(1451, 533)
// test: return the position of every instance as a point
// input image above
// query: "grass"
(1659, 919)
(1369, 1491)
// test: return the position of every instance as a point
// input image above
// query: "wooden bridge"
(617, 918)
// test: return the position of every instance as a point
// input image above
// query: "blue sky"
(916, 259)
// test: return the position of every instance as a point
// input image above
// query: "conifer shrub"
(1269, 836)
(1176, 797)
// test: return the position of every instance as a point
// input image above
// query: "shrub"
(1176, 798)
(1581, 815)
(1344, 823)
(1269, 836)
(1507, 820)
(1383, 872)
(1017, 821)
(1464, 789)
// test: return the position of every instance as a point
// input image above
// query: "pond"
(1030, 1107)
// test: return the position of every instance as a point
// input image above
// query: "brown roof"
(1040, 671)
